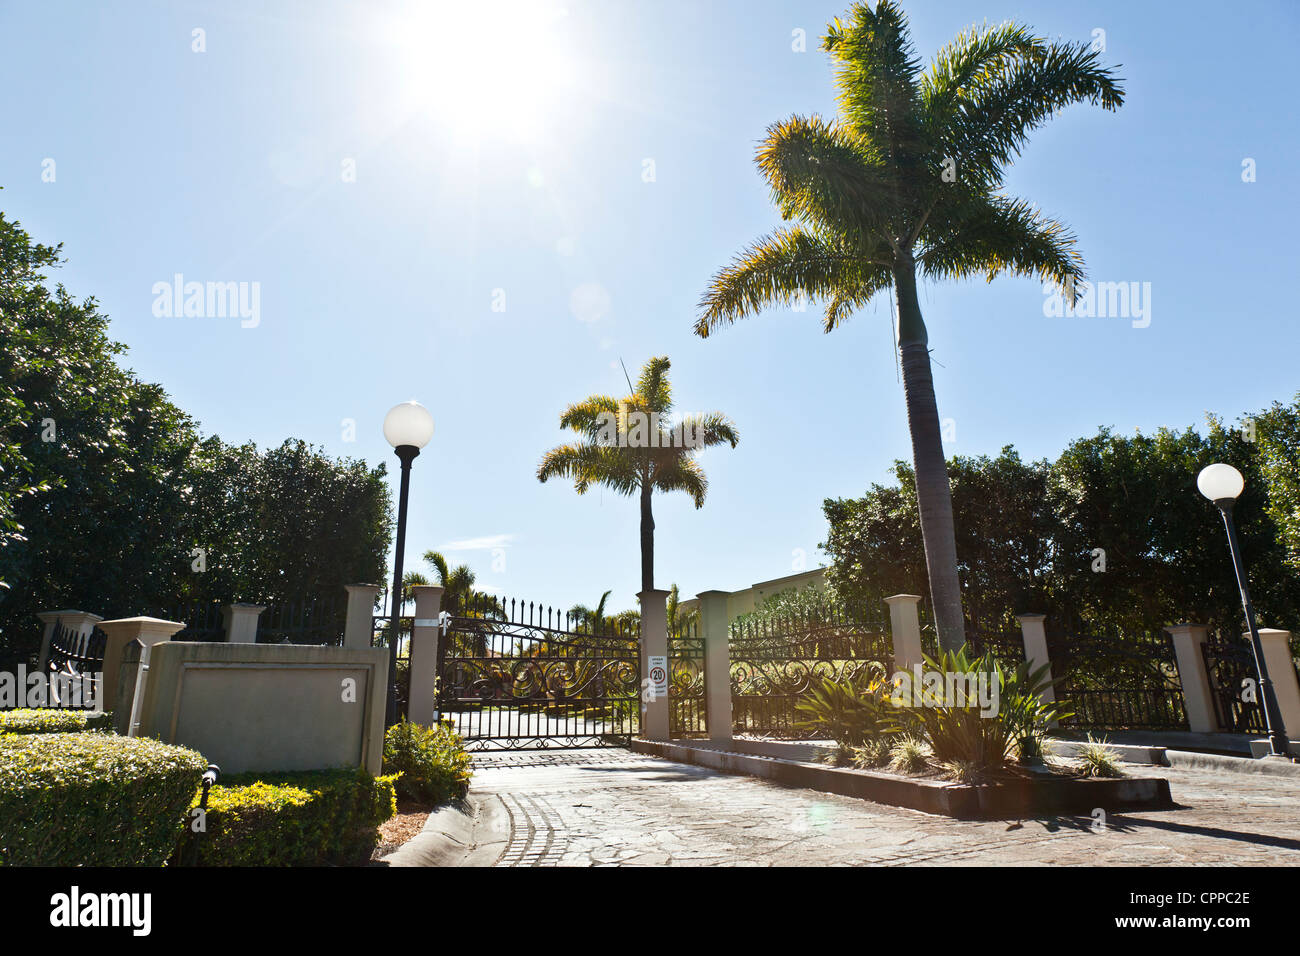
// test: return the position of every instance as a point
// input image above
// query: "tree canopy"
(112, 502)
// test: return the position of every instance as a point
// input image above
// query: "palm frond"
(683, 473)
(653, 391)
(876, 70)
(992, 120)
(1002, 235)
(709, 429)
(587, 417)
(825, 174)
(587, 465)
(780, 269)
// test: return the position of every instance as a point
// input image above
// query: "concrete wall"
(742, 602)
(265, 707)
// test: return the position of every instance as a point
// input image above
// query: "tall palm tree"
(629, 447)
(908, 179)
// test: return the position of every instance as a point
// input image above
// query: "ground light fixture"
(1222, 484)
(408, 428)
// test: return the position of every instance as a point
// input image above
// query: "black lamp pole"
(407, 454)
(1277, 736)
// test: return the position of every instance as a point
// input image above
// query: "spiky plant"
(908, 180)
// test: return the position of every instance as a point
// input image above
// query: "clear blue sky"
(226, 165)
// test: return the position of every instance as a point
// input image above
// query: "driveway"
(616, 808)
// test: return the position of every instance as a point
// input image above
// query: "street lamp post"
(1222, 484)
(408, 428)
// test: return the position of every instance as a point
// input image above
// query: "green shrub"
(52, 720)
(92, 799)
(308, 818)
(1097, 759)
(851, 711)
(909, 754)
(959, 733)
(432, 761)
(874, 753)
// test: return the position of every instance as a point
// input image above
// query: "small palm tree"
(630, 447)
(590, 619)
(459, 596)
(410, 580)
(679, 619)
(908, 179)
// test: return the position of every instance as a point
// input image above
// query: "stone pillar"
(359, 630)
(1033, 632)
(79, 622)
(240, 621)
(905, 626)
(654, 644)
(422, 702)
(147, 630)
(1281, 671)
(1198, 692)
(715, 628)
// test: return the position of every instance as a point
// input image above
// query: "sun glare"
(497, 68)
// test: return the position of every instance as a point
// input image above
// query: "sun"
(499, 68)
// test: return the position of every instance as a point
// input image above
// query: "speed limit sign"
(659, 675)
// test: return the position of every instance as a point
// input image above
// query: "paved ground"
(613, 807)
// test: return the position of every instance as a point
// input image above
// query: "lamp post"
(1222, 484)
(408, 428)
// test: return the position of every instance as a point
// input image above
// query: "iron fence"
(776, 660)
(1117, 680)
(688, 709)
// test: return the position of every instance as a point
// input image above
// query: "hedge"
(52, 720)
(92, 799)
(310, 818)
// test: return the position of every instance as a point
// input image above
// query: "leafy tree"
(111, 502)
(93, 459)
(908, 179)
(285, 523)
(1277, 430)
(1112, 534)
(629, 446)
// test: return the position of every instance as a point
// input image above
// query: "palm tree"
(410, 580)
(459, 597)
(679, 619)
(908, 178)
(596, 621)
(588, 618)
(629, 447)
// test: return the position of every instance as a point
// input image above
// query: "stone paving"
(616, 808)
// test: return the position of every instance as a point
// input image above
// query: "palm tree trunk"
(933, 494)
(647, 540)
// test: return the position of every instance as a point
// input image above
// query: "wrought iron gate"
(516, 676)
(775, 661)
(1114, 681)
(687, 709)
(1229, 664)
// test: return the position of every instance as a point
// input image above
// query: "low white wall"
(267, 707)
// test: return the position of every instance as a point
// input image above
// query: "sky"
(487, 207)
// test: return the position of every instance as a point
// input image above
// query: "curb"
(1009, 800)
(472, 832)
(1197, 761)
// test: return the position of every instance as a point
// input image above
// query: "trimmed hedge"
(52, 720)
(310, 818)
(92, 799)
(432, 761)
